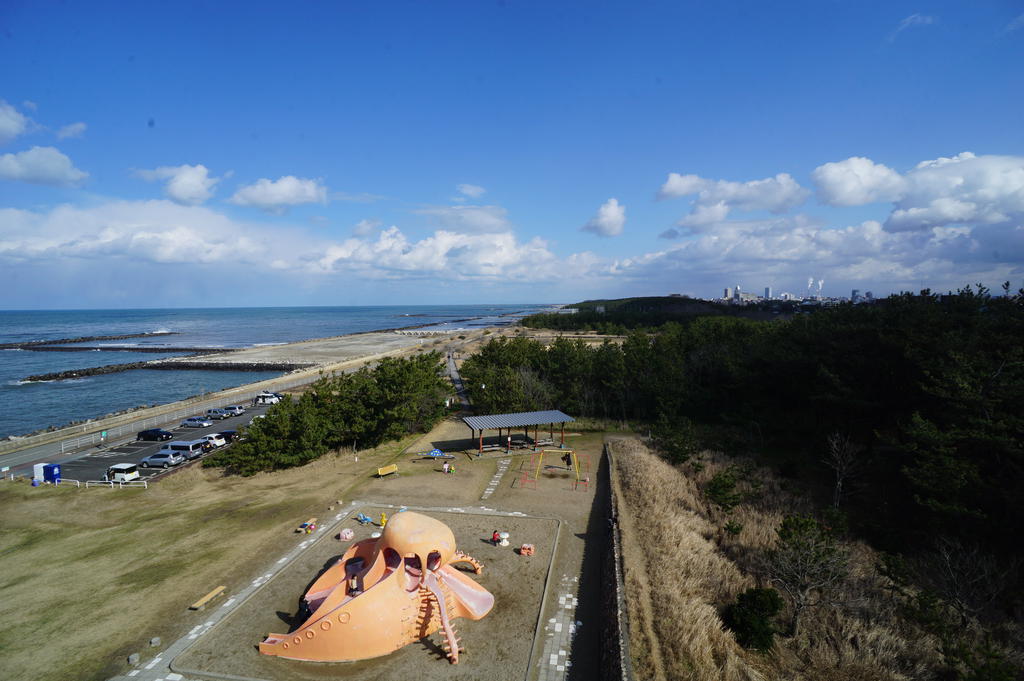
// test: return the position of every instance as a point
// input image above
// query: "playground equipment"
(576, 462)
(385, 593)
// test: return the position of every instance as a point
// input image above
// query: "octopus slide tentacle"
(460, 557)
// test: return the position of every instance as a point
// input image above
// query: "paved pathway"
(496, 479)
(460, 389)
(559, 631)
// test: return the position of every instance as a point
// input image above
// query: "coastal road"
(92, 463)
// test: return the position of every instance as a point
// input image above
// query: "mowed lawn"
(89, 576)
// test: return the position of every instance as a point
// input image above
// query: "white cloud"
(856, 181)
(365, 227)
(471, 190)
(163, 232)
(782, 252)
(1016, 24)
(30, 105)
(716, 198)
(444, 256)
(964, 189)
(71, 130)
(609, 219)
(186, 184)
(12, 122)
(41, 165)
(912, 20)
(157, 231)
(473, 219)
(276, 196)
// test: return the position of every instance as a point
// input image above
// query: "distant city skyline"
(196, 155)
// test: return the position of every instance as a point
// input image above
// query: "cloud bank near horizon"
(943, 223)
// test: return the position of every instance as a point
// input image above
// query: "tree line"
(358, 410)
(906, 413)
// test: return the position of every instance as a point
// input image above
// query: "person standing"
(445, 468)
(495, 538)
(383, 519)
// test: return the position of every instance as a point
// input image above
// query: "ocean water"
(27, 407)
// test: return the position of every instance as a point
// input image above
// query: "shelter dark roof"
(518, 420)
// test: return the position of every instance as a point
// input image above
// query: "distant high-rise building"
(728, 293)
(855, 295)
(869, 296)
(767, 292)
(736, 293)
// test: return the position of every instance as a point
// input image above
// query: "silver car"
(162, 460)
(196, 422)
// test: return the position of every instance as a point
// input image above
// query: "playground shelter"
(524, 420)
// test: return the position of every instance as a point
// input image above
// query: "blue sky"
(217, 154)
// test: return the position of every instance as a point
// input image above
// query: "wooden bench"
(201, 603)
(387, 470)
(304, 527)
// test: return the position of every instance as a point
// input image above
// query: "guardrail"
(111, 484)
(68, 481)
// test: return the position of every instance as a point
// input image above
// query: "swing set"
(575, 461)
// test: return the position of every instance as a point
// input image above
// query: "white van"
(267, 398)
(190, 450)
(123, 472)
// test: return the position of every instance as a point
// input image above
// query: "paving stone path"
(493, 484)
(559, 631)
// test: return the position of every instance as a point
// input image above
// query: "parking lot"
(92, 465)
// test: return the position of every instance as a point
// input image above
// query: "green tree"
(751, 617)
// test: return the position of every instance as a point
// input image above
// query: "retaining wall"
(616, 664)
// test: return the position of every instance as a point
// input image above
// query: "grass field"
(89, 576)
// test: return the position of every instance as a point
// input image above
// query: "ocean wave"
(162, 329)
(14, 350)
(255, 345)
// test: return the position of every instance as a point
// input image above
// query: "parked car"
(154, 435)
(229, 435)
(162, 460)
(122, 472)
(196, 422)
(218, 414)
(188, 450)
(235, 410)
(215, 439)
(267, 398)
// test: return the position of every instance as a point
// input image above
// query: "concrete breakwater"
(131, 348)
(176, 365)
(32, 345)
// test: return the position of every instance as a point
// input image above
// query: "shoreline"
(365, 352)
(179, 360)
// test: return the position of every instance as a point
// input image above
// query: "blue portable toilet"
(51, 472)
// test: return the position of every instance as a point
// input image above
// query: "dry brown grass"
(691, 567)
(90, 575)
(676, 577)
